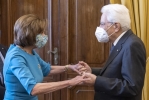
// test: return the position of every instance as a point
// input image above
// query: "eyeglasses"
(103, 23)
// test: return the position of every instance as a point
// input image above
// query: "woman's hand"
(80, 67)
(76, 68)
(78, 80)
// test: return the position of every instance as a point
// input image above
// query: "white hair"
(117, 13)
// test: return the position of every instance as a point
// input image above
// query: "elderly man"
(122, 76)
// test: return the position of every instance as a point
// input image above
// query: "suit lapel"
(116, 50)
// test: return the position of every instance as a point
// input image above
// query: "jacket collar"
(116, 49)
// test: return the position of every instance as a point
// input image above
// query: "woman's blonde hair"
(26, 29)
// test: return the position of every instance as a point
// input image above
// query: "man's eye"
(102, 24)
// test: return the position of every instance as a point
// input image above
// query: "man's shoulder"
(3, 47)
(133, 38)
(130, 37)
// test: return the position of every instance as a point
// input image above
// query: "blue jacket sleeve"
(46, 67)
(22, 72)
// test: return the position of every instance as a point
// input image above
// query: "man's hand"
(86, 68)
(91, 78)
(78, 80)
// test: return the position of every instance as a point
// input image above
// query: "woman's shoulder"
(14, 51)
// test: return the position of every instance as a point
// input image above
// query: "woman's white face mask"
(102, 35)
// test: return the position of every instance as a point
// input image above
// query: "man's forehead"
(103, 18)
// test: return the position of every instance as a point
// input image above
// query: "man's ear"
(117, 27)
(114, 26)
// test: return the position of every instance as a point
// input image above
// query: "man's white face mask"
(102, 35)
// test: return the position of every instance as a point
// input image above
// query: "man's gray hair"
(117, 13)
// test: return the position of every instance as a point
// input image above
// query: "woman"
(24, 69)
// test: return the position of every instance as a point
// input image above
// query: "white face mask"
(102, 35)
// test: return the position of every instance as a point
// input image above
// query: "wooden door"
(71, 28)
(78, 20)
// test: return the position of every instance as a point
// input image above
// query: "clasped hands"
(85, 76)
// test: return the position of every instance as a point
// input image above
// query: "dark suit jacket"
(122, 77)
(3, 50)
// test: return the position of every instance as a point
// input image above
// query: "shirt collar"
(116, 41)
